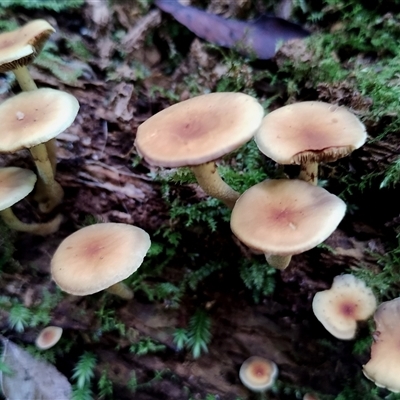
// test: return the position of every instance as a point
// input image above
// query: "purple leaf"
(255, 38)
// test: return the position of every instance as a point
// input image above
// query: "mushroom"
(28, 120)
(338, 309)
(308, 133)
(283, 217)
(15, 184)
(198, 131)
(258, 374)
(18, 49)
(48, 337)
(99, 257)
(384, 366)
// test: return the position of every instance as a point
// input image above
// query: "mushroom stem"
(24, 79)
(309, 172)
(27, 84)
(121, 290)
(278, 262)
(43, 229)
(49, 192)
(211, 182)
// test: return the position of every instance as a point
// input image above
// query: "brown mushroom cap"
(310, 131)
(285, 217)
(258, 374)
(199, 130)
(34, 117)
(384, 366)
(15, 184)
(21, 46)
(338, 309)
(98, 256)
(48, 337)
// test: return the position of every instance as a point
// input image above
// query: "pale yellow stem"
(45, 228)
(278, 262)
(49, 192)
(27, 84)
(121, 290)
(211, 182)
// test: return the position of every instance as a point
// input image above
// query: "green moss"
(54, 5)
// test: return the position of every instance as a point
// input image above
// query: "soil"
(98, 170)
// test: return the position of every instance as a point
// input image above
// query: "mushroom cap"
(34, 117)
(98, 256)
(199, 130)
(310, 131)
(48, 337)
(258, 374)
(338, 309)
(21, 46)
(15, 184)
(384, 366)
(285, 217)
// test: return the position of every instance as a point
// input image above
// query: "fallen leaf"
(31, 378)
(259, 38)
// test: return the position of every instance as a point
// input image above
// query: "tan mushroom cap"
(98, 256)
(338, 309)
(258, 374)
(34, 117)
(21, 46)
(285, 217)
(199, 130)
(15, 184)
(309, 131)
(384, 366)
(48, 337)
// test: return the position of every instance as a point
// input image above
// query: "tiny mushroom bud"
(258, 374)
(384, 366)
(15, 184)
(99, 257)
(198, 131)
(283, 217)
(308, 133)
(338, 309)
(30, 119)
(48, 337)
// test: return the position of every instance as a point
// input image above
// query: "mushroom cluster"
(32, 119)
(268, 217)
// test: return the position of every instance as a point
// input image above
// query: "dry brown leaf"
(31, 378)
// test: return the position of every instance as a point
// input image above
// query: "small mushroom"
(30, 119)
(338, 309)
(283, 217)
(308, 133)
(48, 337)
(384, 366)
(15, 184)
(198, 131)
(258, 374)
(99, 257)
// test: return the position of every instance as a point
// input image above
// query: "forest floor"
(125, 61)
